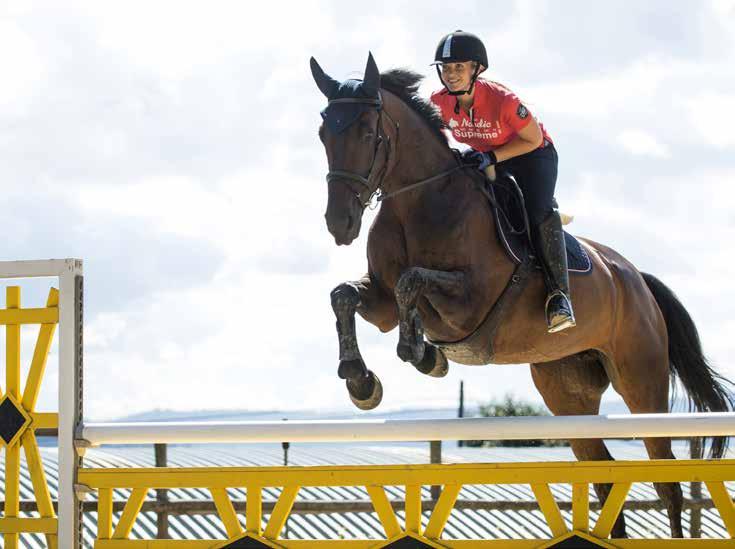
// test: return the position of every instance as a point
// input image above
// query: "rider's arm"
(527, 139)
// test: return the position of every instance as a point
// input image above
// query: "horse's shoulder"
(386, 242)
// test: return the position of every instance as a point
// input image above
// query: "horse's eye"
(368, 136)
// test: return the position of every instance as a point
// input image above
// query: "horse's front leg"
(413, 284)
(377, 307)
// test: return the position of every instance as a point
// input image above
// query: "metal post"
(70, 400)
(696, 451)
(460, 412)
(161, 493)
(435, 456)
(286, 446)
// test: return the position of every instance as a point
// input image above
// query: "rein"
(378, 192)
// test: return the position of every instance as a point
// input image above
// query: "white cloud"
(173, 146)
(712, 114)
(642, 143)
(23, 69)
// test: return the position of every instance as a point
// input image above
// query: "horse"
(436, 270)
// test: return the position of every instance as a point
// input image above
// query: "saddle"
(506, 200)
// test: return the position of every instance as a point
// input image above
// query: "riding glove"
(481, 159)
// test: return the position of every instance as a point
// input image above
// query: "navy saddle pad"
(512, 234)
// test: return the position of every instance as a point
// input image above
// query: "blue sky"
(173, 147)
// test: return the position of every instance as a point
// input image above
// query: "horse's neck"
(419, 155)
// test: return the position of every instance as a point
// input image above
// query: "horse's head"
(352, 136)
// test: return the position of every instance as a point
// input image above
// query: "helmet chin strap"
(460, 92)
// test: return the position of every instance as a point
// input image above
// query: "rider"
(501, 130)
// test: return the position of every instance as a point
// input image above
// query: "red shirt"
(496, 116)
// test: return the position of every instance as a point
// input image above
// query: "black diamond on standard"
(11, 420)
(246, 543)
(575, 542)
(408, 543)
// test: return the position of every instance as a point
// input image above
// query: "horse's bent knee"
(345, 298)
(411, 282)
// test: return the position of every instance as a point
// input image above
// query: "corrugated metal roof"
(463, 523)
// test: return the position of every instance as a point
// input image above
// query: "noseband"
(365, 180)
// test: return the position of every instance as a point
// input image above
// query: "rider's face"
(457, 76)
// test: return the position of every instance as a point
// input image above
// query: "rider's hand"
(481, 159)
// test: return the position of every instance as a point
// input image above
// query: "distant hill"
(613, 407)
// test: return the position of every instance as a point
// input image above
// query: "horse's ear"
(326, 83)
(371, 81)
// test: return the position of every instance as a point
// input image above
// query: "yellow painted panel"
(372, 544)
(413, 508)
(254, 509)
(550, 509)
(11, 541)
(45, 420)
(280, 512)
(29, 316)
(442, 510)
(724, 505)
(40, 355)
(28, 525)
(611, 510)
(12, 481)
(104, 513)
(385, 512)
(434, 474)
(226, 512)
(12, 343)
(581, 507)
(130, 513)
(38, 476)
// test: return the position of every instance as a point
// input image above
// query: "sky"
(173, 147)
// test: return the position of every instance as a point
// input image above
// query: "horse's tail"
(706, 390)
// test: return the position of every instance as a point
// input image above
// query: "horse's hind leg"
(366, 298)
(574, 386)
(642, 379)
(413, 284)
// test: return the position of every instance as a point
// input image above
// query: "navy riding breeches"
(535, 172)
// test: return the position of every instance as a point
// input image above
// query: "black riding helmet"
(460, 46)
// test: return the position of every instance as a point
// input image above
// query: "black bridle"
(365, 180)
(380, 139)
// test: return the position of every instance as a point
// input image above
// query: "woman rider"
(489, 117)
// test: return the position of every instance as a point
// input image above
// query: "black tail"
(707, 391)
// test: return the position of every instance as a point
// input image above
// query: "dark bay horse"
(437, 269)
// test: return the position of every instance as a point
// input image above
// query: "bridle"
(378, 192)
(380, 139)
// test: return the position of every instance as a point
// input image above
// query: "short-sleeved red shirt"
(496, 116)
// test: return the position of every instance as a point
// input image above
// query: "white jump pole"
(387, 430)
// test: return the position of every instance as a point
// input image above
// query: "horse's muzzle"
(344, 228)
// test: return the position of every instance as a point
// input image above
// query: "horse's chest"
(435, 233)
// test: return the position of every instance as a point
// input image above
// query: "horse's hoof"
(434, 363)
(365, 392)
(352, 369)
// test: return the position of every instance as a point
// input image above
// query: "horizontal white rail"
(38, 268)
(387, 430)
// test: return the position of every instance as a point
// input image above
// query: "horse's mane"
(405, 84)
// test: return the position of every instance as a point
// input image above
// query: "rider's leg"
(535, 173)
(549, 239)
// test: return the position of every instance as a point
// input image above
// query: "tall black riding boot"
(550, 246)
